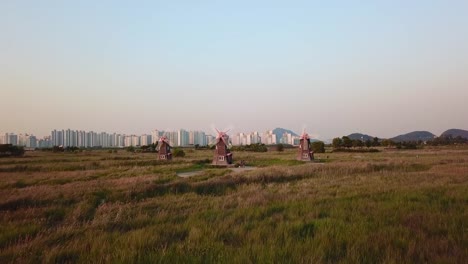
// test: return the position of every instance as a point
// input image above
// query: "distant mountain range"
(414, 136)
(455, 133)
(359, 136)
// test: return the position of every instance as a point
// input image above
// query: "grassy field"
(95, 206)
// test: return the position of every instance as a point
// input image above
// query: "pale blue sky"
(379, 67)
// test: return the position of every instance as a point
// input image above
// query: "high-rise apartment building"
(145, 140)
(57, 137)
(135, 141)
(155, 135)
(199, 138)
(269, 138)
(31, 141)
(173, 138)
(11, 139)
(183, 137)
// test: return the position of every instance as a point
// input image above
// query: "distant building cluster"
(26, 140)
(91, 139)
(181, 137)
(240, 139)
(267, 138)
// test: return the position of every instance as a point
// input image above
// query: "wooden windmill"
(305, 153)
(222, 154)
(164, 152)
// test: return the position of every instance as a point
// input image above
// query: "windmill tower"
(305, 153)
(164, 152)
(222, 154)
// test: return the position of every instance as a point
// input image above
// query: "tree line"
(8, 150)
(346, 143)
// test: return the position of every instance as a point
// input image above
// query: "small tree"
(368, 143)
(337, 143)
(387, 143)
(152, 147)
(57, 149)
(131, 149)
(7, 150)
(360, 143)
(347, 142)
(376, 142)
(144, 148)
(280, 147)
(357, 143)
(318, 147)
(178, 152)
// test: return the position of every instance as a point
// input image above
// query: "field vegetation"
(392, 206)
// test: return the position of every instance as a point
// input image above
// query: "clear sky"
(379, 67)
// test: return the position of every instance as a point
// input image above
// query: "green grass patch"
(273, 162)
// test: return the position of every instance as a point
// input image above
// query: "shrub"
(10, 150)
(318, 147)
(280, 147)
(178, 152)
(252, 148)
(131, 149)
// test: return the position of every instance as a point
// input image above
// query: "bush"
(178, 152)
(10, 150)
(131, 149)
(252, 148)
(57, 149)
(71, 149)
(280, 147)
(318, 147)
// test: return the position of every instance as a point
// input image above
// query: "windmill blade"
(304, 126)
(214, 129)
(212, 141)
(230, 127)
(167, 135)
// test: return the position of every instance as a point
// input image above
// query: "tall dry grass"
(387, 207)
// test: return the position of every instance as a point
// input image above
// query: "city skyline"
(179, 138)
(231, 130)
(380, 68)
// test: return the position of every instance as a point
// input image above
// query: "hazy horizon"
(382, 69)
(231, 130)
